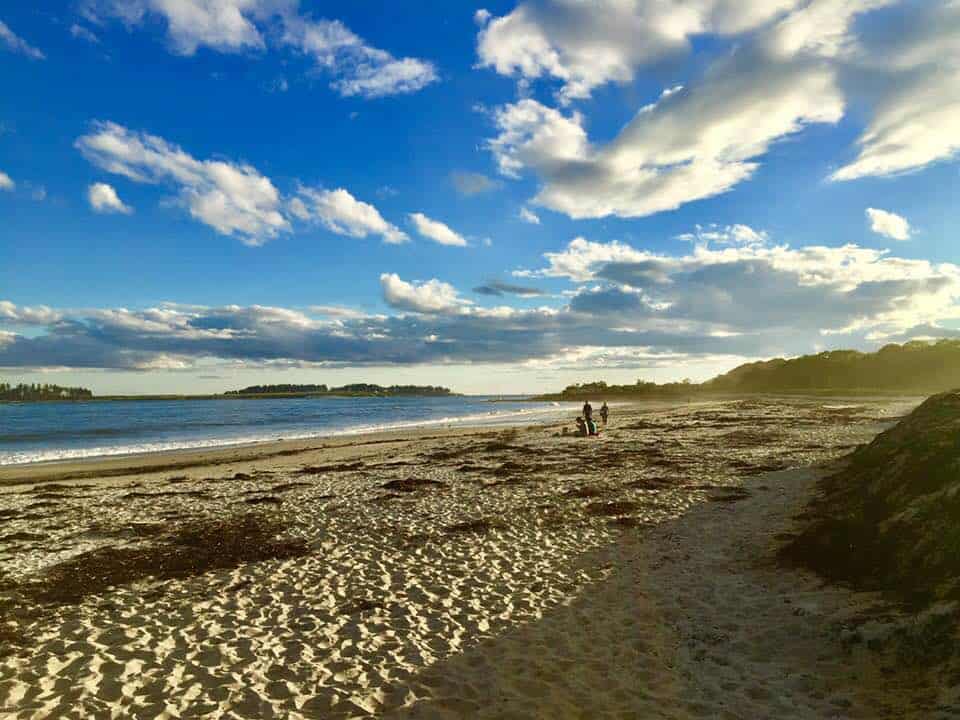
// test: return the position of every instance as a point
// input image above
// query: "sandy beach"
(459, 573)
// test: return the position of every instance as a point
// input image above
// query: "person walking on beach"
(587, 411)
(604, 412)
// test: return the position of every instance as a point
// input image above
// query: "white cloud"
(470, 183)
(232, 198)
(436, 231)
(432, 296)
(16, 44)
(380, 74)
(358, 69)
(39, 315)
(917, 73)
(104, 199)
(529, 217)
(737, 234)
(627, 304)
(796, 65)
(820, 28)
(585, 45)
(756, 288)
(223, 25)
(337, 311)
(693, 143)
(6, 183)
(888, 224)
(581, 258)
(343, 214)
(481, 16)
(82, 33)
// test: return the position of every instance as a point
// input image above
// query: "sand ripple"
(417, 598)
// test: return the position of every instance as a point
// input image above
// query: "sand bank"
(470, 573)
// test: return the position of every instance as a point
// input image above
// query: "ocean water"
(36, 432)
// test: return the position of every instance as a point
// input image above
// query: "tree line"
(354, 389)
(914, 367)
(36, 391)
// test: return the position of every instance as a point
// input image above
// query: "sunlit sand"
(471, 573)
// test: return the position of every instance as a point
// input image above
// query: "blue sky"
(501, 197)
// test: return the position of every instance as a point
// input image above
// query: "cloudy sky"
(503, 197)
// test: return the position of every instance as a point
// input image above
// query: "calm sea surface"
(34, 432)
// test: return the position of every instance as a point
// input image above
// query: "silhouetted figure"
(604, 412)
(581, 427)
(587, 411)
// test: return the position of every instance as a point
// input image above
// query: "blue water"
(34, 432)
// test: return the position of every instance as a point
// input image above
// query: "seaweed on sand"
(411, 484)
(264, 500)
(651, 482)
(481, 526)
(341, 467)
(618, 507)
(587, 491)
(190, 549)
(166, 493)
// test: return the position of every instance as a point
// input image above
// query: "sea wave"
(489, 418)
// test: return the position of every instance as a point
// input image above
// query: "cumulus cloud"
(888, 224)
(819, 27)
(225, 26)
(342, 213)
(104, 199)
(795, 64)
(528, 216)
(436, 231)
(470, 183)
(337, 311)
(917, 70)
(39, 315)
(432, 296)
(627, 306)
(737, 234)
(586, 45)
(758, 288)
(693, 143)
(232, 198)
(14, 43)
(6, 183)
(357, 68)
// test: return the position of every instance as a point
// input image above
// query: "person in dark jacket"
(604, 412)
(587, 411)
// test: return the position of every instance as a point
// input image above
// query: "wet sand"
(463, 573)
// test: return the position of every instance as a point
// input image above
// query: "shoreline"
(159, 461)
(276, 445)
(228, 453)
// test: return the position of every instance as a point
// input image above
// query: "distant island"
(47, 393)
(356, 389)
(40, 393)
(915, 367)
